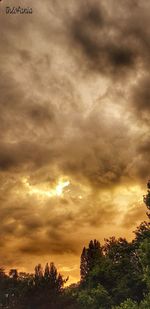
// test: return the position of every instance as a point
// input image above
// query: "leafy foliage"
(128, 304)
(94, 298)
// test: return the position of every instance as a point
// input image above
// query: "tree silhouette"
(146, 198)
(13, 273)
(90, 257)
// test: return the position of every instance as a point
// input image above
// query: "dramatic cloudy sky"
(74, 127)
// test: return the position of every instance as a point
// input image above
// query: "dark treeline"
(115, 275)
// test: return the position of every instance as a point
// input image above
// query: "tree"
(146, 198)
(142, 232)
(142, 248)
(145, 304)
(2, 273)
(90, 257)
(13, 273)
(145, 244)
(96, 298)
(46, 271)
(144, 252)
(125, 270)
(84, 264)
(47, 288)
(38, 272)
(128, 304)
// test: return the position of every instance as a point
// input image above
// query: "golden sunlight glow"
(61, 185)
(124, 196)
(45, 191)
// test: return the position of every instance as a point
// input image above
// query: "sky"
(74, 127)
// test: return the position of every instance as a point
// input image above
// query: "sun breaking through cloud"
(46, 192)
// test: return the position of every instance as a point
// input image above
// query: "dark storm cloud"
(93, 153)
(143, 154)
(14, 155)
(112, 39)
(141, 98)
(105, 42)
(56, 245)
